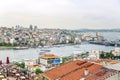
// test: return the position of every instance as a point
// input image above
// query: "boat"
(39, 46)
(20, 48)
(42, 52)
(45, 50)
(47, 46)
(59, 45)
(77, 46)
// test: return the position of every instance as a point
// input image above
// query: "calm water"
(61, 51)
(106, 35)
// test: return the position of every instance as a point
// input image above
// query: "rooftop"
(48, 56)
(75, 70)
(33, 66)
(114, 67)
(106, 61)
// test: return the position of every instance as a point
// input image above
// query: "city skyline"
(63, 14)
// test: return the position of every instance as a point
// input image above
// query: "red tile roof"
(74, 70)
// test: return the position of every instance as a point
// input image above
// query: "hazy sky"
(69, 14)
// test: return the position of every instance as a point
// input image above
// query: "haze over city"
(68, 14)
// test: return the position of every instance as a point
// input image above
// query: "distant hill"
(96, 30)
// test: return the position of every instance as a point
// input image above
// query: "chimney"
(82, 79)
(86, 72)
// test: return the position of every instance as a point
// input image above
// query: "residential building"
(94, 55)
(49, 59)
(116, 52)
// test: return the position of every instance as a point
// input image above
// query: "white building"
(116, 52)
(47, 59)
(29, 62)
(94, 54)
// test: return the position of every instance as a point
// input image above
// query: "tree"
(38, 71)
(22, 65)
(102, 55)
(64, 59)
(70, 41)
(109, 55)
(9, 44)
(16, 63)
(15, 44)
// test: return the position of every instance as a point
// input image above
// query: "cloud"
(58, 13)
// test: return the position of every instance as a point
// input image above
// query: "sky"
(63, 14)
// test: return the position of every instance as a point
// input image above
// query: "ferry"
(59, 45)
(47, 46)
(44, 46)
(42, 52)
(20, 48)
(45, 50)
(77, 46)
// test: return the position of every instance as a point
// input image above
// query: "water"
(31, 53)
(62, 51)
(107, 35)
(111, 35)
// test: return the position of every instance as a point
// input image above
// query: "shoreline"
(5, 48)
(12, 48)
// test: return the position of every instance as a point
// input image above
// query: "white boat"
(46, 46)
(43, 51)
(59, 45)
(20, 48)
(77, 46)
(39, 46)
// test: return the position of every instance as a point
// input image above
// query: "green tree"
(22, 65)
(9, 44)
(15, 44)
(109, 55)
(70, 41)
(16, 63)
(3, 44)
(64, 59)
(38, 71)
(102, 55)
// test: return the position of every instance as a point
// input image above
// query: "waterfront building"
(12, 40)
(31, 37)
(49, 59)
(80, 70)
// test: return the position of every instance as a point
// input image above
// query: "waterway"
(33, 53)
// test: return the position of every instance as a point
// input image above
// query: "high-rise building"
(35, 27)
(31, 27)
